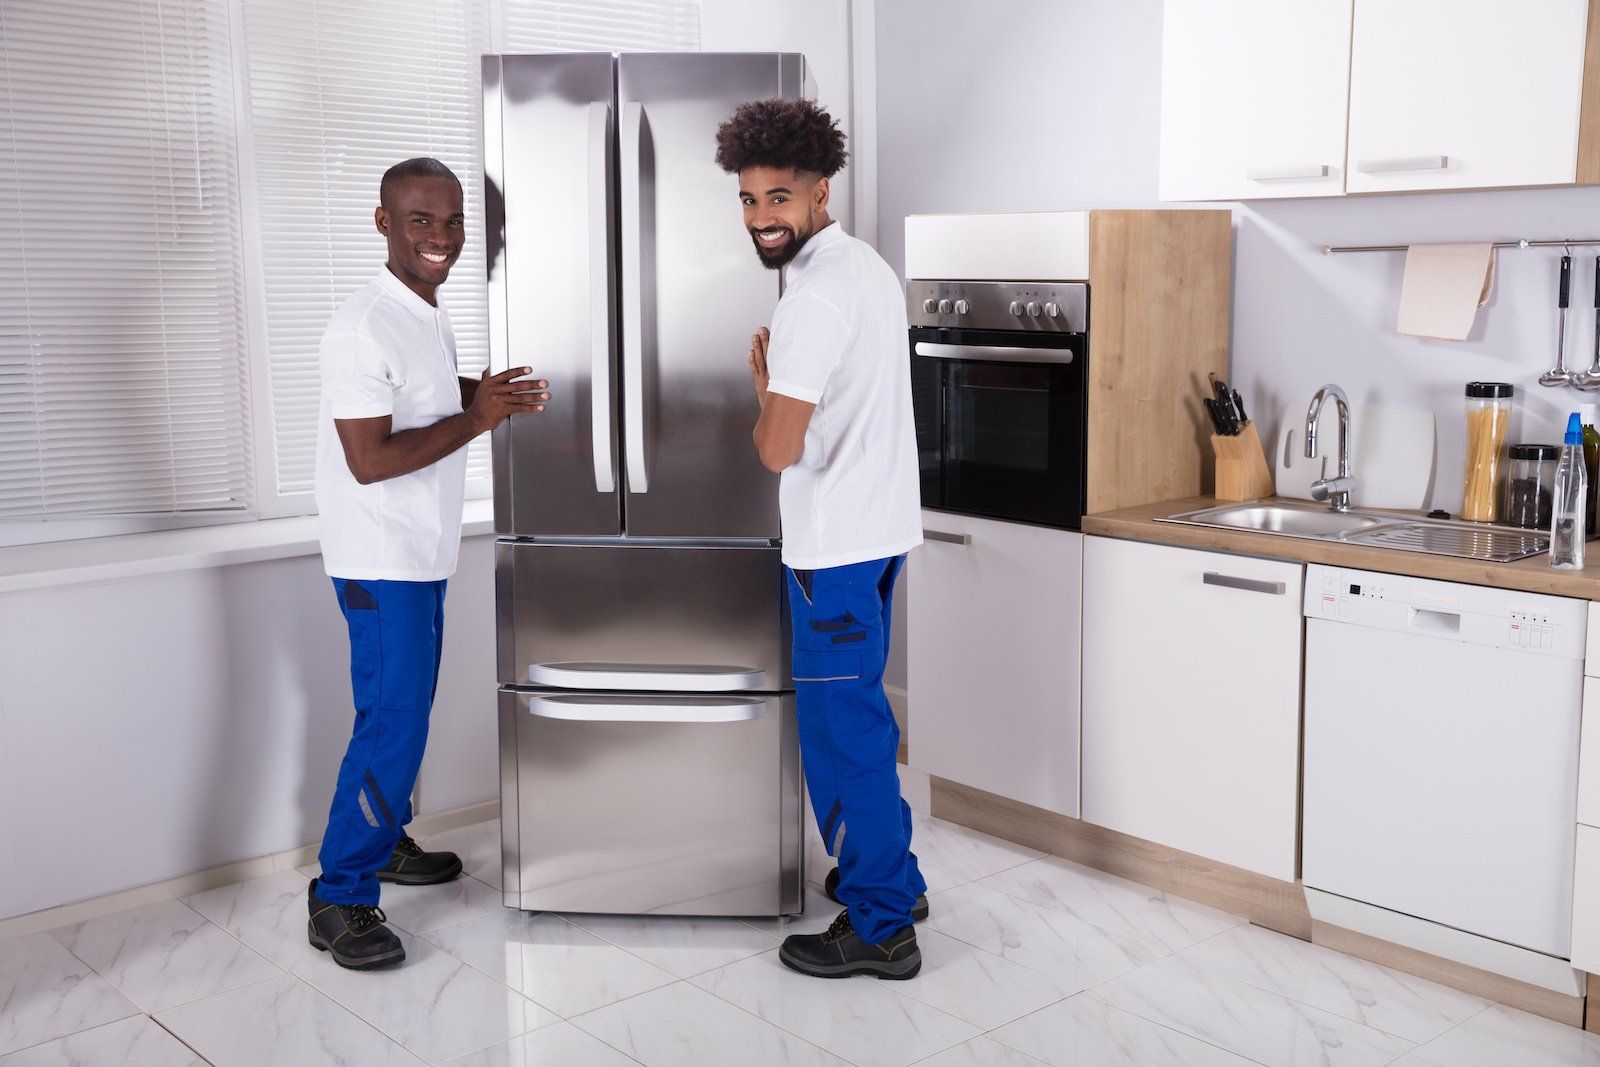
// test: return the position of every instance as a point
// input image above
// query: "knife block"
(1242, 471)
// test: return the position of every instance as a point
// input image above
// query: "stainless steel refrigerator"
(649, 761)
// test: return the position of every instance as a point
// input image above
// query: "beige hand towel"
(1444, 287)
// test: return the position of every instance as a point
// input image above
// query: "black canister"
(1530, 486)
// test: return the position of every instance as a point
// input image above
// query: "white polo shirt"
(389, 352)
(839, 338)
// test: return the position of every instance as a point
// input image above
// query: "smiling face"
(782, 209)
(425, 224)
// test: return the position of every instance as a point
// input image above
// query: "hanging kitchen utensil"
(1559, 375)
(1590, 379)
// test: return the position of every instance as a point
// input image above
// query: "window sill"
(141, 555)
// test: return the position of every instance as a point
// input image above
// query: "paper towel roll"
(1444, 287)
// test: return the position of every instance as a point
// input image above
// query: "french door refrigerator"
(649, 760)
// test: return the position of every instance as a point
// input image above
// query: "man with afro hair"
(834, 385)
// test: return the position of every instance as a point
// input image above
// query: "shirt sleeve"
(809, 336)
(356, 377)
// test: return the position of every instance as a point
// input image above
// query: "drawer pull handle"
(948, 538)
(1249, 585)
(1287, 174)
(1396, 166)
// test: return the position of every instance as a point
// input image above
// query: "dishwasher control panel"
(1501, 618)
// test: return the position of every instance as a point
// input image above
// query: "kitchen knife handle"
(1238, 406)
(633, 134)
(1566, 281)
(600, 337)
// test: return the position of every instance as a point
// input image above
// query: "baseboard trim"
(899, 702)
(216, 877)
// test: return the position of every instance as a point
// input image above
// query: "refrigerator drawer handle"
(994, 353)
(633, 331)
(647, 676)
(605, 469)
(1249, 585)
(592, 709)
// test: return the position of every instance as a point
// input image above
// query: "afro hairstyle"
(792, 134)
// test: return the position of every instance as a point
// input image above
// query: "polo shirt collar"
(402, 293)
(817, 241)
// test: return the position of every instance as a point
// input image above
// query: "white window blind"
(338, 92)
(601, 25)
(120, 322)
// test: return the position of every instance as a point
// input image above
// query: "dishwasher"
(1441, 753)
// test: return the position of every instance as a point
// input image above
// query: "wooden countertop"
(1533, 575)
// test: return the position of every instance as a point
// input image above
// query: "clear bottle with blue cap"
(1567, 531)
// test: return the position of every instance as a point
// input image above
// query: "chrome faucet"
(1336, 490)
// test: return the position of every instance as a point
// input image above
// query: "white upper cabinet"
(1253, 97)
(1465, 94)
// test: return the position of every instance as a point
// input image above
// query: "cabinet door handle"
(1249, 585)
(1389, 166)
(951, 538)
(1287, 174)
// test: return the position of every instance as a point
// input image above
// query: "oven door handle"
(993, 353)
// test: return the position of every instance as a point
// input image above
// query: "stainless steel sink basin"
(1286, 520)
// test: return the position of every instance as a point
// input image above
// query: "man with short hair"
(391, 475)
(834, 384)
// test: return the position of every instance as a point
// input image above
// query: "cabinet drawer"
(1586, 901)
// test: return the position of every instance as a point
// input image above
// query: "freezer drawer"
(702, 619)
(650, 803)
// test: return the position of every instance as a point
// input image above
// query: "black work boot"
(919, 910)
(839, 952)
(354, 933)
(409, 865)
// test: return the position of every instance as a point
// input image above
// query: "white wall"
(155, 727)
(1039, 104)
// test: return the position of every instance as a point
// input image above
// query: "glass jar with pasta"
(1489, 406)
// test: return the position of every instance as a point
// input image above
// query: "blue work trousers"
(849, 739)
(396, 637)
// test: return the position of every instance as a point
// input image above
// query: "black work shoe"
(354, 933)
(919, 910)
(409, 865)
(839, 952)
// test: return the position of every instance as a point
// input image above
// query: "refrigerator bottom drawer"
(650, 803)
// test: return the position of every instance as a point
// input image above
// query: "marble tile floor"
(1028, 961)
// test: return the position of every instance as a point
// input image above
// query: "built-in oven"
(999, 375)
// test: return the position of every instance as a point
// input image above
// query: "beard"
(775, 258)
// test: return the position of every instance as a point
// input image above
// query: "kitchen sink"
(1393, 530)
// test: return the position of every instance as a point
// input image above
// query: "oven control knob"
(962, 307)
(1033, 309)
(1016, 307)
(930, 305)
(945, 307)
(1053, 310)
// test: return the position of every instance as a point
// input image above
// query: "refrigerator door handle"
(633, 133)
(625, 709)
(647, 676)
(600, 343)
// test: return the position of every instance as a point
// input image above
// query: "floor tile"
(164, 954)
(1113, 903)
(1504, 1037)
(281, 1022)
(551, 961)
(433, 1004)
(819, 913)
(682, 1026)
(966, 854)
(561, 1045)
(417, 909)
(980, 987)
(979, 1052)
(862, 1020)
(478, 846)
(1084, 1032)
(1262, 1026)
(268, 914)
(131, 1042)
(1075, 953)
(46, 992)
(684, 946)
(1397, 1003)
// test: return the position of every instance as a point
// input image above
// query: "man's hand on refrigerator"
(497, 397)
(758, 363)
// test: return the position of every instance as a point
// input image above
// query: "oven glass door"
(1001, 437)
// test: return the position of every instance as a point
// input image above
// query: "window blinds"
(121, 336)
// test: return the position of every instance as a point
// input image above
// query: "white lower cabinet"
(1191, 701)
(992, 657)
(1586, 901)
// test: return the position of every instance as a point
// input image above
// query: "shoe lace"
(840, 929)
(364, 916)
(408, 846)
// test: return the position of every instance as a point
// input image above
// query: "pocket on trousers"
(841, 666)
